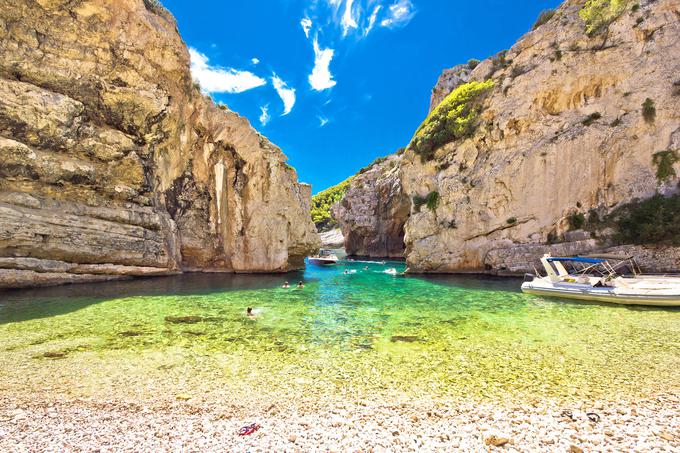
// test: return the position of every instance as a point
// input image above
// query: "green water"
(344, 335)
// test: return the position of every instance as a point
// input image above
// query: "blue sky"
(337, 83)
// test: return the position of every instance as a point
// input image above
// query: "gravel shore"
(94, 425)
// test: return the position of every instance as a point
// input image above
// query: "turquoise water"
(367, 332)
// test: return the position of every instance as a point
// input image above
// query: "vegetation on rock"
(544, 17)
(590, 119)
(431, 200)
(454, 118)
(664, 161)
(377, 161)
(324, 200)
(655, 220)
(598, 14)
(577, 220)
(648, 110)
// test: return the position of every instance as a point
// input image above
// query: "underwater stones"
(184, 319)
(54, 355)
(130, 333)
(405, 339)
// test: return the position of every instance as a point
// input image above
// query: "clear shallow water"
(365, 333)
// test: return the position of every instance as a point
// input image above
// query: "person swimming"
(300, 285)
(286, 285)
(249, 312)
(365, 268)
(346, 271)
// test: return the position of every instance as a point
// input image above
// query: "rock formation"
(573, 126)
(448, 81)
(112, 163)
(373, 212)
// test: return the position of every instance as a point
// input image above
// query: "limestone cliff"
(373, 211)
(112, 163)
(579, 117)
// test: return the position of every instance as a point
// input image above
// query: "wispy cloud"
(399, 14)
(323, 120)
(286, 94)
(264, 115)
(348, 20)
(372, 19)
(306, 24)
(255, 61)
(214, 79)
(321, 78)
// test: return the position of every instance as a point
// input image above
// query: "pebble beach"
(87, 424)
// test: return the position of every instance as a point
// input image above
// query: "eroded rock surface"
(373, 212)
(563, 132)
(111, 158)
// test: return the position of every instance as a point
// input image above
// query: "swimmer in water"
(249, 312)
(285, 285)
(346, 271)
(300, 285)
(365, 268)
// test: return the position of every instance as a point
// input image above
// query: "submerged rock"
(184, 319)
(404, 338)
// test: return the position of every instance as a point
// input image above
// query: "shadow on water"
(25, 304)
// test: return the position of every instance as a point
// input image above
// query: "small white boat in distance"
(594, 278)
(324, 258)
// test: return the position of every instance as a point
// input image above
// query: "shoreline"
(27, 423)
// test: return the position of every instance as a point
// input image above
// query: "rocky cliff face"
(578, 111)
(373, 212)
(571, 125)
(113, 164)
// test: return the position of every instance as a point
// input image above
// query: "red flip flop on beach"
(248, 429)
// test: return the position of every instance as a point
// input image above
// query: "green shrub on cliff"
(454, 118)
(664, 161)
(324, 200)
(544, 17)
(655, 220)
(598, 14)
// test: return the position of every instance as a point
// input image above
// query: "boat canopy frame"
(600, 264)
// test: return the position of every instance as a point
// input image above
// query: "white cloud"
(321, 77)
(323, 121)
(348, 19)
(372, 19)
(286, 94)
(399, 13)
(264, 115)
(214, 79)
(255, 61)
(306, 24)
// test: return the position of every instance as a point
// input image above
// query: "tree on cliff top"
(324, 200)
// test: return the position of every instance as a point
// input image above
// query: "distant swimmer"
(300, 285)
(249, 312)
(346, 271)
(365, 268)
(286, 285)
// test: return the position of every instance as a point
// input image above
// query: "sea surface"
(358, 329)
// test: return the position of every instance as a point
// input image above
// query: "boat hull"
(607, 295)
(322, 261)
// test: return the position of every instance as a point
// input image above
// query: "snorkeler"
(285, 285)
(300, 285)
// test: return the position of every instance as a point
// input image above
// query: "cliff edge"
(113, 164)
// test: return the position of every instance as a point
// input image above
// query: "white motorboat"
(595, 278)
(324, 258)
